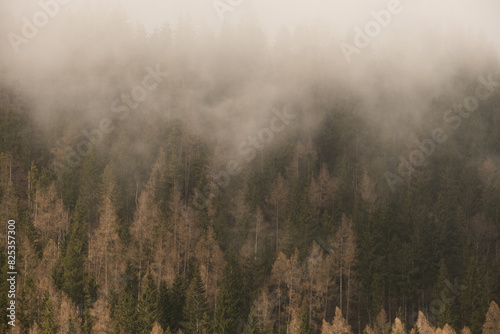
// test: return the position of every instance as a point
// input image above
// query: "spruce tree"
(126, 311)
(442, 308)
(304, 327)
(47, 320)
(28, 310)
(196, 306)
(71, 326)
(229, 303)
(90, 292)
(251, 326)
(148, 305)
(73, 265)
(164, 306)
(178, 299)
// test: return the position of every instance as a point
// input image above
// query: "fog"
(170, 133)
(225, 77)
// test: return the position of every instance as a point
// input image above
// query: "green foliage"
(251, 326)
(440, 227)
(305, 327)
(164, 306)
(229, 303)
(178, 298)
(148, 306)
(71, 327)
(28, 308)
(90, 297)
(442, 309)
(125, 314)
(47, 319)
(72, 264)
(196, 307)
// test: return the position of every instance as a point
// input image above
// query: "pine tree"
(305, 327)
(71, 327)
(164, 306)
(148, 305)
(90, 293)
(277, 199)
(398, 327)
(28, 303)
(196, 305)
(47, 319)
(229, 303)
(251, 326)
(50, 217)
(125, 313)
(442, 313)
(381, 326)
(106, 245)
(423, 326)
(339, 325)
(212, 265)
(178, 298)
(157, 329)
(469, 300)
(73, 265)
(88, 321)
(492, 323)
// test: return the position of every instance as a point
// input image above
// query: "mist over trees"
(183, 181)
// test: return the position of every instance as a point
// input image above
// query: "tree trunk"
(348, 291)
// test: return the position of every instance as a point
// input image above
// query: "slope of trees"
(162, 228)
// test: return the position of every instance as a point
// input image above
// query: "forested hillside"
(191, 182)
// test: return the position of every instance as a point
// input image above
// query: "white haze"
(410, 64)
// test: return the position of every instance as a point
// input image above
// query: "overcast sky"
(341, 15)
(482, 15)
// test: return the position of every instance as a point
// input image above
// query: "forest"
(187, 181)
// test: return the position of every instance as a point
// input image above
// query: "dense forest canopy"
(240, 182)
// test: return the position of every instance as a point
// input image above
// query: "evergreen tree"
(71, 327)
(305, 327)
(251, 326)
(470, 297)
(157, 329)
(164, 306)
(196, 306)
(492, 323)
(72, 265)
(229, 303)
(28, 308)
(47, 319)
(90, 293)
(442, 308)
(178, 301)
(125, 314)
(148, 305)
